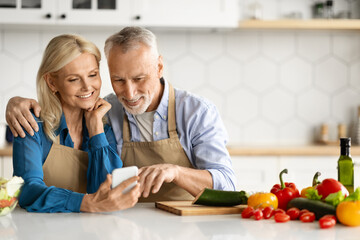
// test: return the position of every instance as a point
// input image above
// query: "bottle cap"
(345, 142)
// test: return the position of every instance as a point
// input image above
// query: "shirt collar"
(63, 128)
(62, 125)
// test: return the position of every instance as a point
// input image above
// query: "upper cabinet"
(64, 12)
(150, 13)
(186, 13)
(27, 11)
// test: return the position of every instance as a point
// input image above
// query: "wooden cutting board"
(186, 208)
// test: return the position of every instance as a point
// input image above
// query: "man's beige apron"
(169, 150)
(66, 167)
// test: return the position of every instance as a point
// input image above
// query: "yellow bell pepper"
(263, 200)
(348, 213)
(314, 183)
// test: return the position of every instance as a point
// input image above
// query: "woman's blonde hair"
(60, 51)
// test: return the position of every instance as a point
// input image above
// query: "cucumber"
(316, 206)
(211, 197)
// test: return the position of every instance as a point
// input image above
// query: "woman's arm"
(103, 158)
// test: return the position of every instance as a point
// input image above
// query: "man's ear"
(160, 66)
(50, 82)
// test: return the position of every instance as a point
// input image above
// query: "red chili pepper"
(284, 191)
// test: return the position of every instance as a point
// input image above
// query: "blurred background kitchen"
(284, 74)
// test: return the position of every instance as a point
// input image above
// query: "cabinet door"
(94, 12)
(186, 13)
(27, 11)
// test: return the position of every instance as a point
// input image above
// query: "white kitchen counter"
(144, 221)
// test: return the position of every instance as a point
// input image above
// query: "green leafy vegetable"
(313, 194)
(355, 196)
(335, 198)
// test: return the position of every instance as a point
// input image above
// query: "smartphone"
(121, 174)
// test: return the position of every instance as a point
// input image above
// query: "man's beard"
(140, 109)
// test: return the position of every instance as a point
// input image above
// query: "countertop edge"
(236, 150)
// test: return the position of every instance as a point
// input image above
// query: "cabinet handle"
(48, 16)
(63, 16)
(137, 17)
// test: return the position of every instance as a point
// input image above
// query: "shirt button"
(164, 117)
(156, 133)
(156, 117)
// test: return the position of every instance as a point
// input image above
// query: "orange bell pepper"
(314, 183)
(262, 200)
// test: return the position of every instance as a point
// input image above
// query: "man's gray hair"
(129, 38)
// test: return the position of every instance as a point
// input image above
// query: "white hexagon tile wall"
(271, 87)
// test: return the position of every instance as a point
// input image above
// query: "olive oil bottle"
(346, 165)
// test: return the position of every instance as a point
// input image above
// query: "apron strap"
(126, 129)
(171, 113)
(171, 118)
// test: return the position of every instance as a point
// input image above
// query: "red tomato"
(281, 217)
(268, 212)
(279, 210)
(258, 214)
(307, 217)
(327, 221)
(302, 212)
(7, 203)
(247, 212)
(293, 213)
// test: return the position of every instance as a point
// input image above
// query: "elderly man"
(177, 139)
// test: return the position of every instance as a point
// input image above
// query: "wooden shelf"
(324, 24)
(313, 150)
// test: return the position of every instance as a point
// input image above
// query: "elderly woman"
(74, 151)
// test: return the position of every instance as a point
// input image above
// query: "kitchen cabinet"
(64, 12)
(148, 13)
(186, 13)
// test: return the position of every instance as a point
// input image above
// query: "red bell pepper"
(284, 191)
(330, 185)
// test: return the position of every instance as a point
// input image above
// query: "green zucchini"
(211, 197)
(316, 206)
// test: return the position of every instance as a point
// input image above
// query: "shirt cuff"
(219, 182)
(74, 201)
(98, 141)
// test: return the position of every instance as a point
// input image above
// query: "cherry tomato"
(307, 217)
(281, 217)
(258, 214)
(293, 213)
(302, 212)
(327, 221)
(247, 212)
(279, 210)
(330, 216)
(268, 212)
